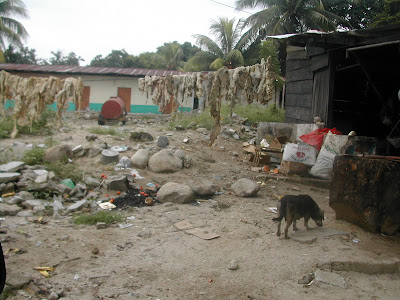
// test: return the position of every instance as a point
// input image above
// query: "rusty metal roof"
(77, 70)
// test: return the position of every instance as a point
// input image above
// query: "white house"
(100, 84)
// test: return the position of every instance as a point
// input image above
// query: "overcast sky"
(92, 27)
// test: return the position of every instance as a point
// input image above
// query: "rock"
(330, 278)
(78, 151)
(101, 225)
(11, 167)
(25, 213)
(187, 161)
(92, 152)
(35, 202)
(42, 176)
(118, 183)
(25, 195)
(92, 182)
(9, 209)
(192, 125)
(145, 233)
(202, 130)
(203, 187)
(38, 208)
(175, 192)
(165, 161)
(162, 141)
(52, 296)
(13, 200)
(140, 159)
(91, 137)
(179, 128)
(245, 187)
(233, 265)
(141, 137)
(57, 153)
(109, 156)
(3, 186)
(7, 177)
(78, 205)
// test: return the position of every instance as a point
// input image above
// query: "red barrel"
(113, 109)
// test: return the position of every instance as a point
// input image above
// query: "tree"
(116, 59)
(70, 60)
(23, 56)
(390, 14)
(11, 30)
(225, 50)
(289, 16)
(358, 13)
(172, 55)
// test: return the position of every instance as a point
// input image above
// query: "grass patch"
(254, 114)
(104, 131)
(66, 170)
(104, 216)
(8, 155)
(42, 126)
(34, 156)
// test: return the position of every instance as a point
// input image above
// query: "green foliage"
(66, 170)
(254, 113)
(104, 130)
(23, 56)
(34, 156)
(389, 15)
(8, 155)
(6, 126)
(60, 59)
(103, 216)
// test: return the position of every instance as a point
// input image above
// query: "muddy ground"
(154, 260)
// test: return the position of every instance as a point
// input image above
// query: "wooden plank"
(299, 100)
(300, 74)
(319, 62)
(297, 64)
(296, 55)
(299, 87)
(299, 113)
(291, 48)
(312, 51)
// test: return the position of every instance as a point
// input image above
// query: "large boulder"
(245, 187)
(175, 193)
(140, 159)
(203, 187)
(58, 152)
(165, 161)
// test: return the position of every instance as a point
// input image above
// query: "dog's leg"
(278, 233)
(306, 223)
(294, 225)
(289, 221)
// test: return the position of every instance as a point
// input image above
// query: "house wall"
(307, 84)
(104, 87)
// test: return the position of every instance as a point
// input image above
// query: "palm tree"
(11, 30)
(289, 16)
(225, 50)
(171, 55)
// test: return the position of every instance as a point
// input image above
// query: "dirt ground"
(154, 260)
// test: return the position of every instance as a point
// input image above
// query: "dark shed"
(350, 79)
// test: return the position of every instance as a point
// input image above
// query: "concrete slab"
(330, 278)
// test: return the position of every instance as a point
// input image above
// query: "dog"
(293, 208)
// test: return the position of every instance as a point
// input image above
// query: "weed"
(254, 114)
(104, 130)
(65, 170)
(8, 155)
(104, 216)
(34, 156)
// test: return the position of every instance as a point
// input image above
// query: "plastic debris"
(264, 143)
(126, 225)
(119, 148)
(68, 182)
(136, 174)
(107, 205)
(273, 209)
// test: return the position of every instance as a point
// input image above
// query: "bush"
(104, 216)
(256, 114)
(65, 170)
(34, 156)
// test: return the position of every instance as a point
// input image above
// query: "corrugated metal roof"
(76, 70)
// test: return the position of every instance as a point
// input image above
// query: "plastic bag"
(316, 137)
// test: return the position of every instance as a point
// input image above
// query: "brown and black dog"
(293, 208)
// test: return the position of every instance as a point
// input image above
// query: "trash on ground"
(126, 225)
(202, 234)
(119, 148)
(136, 197)
(107, 205)
(182, 225)
(135, 173)
(273, 209)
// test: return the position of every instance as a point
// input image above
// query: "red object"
(316, 137)
(113, 108)
(118, 192)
